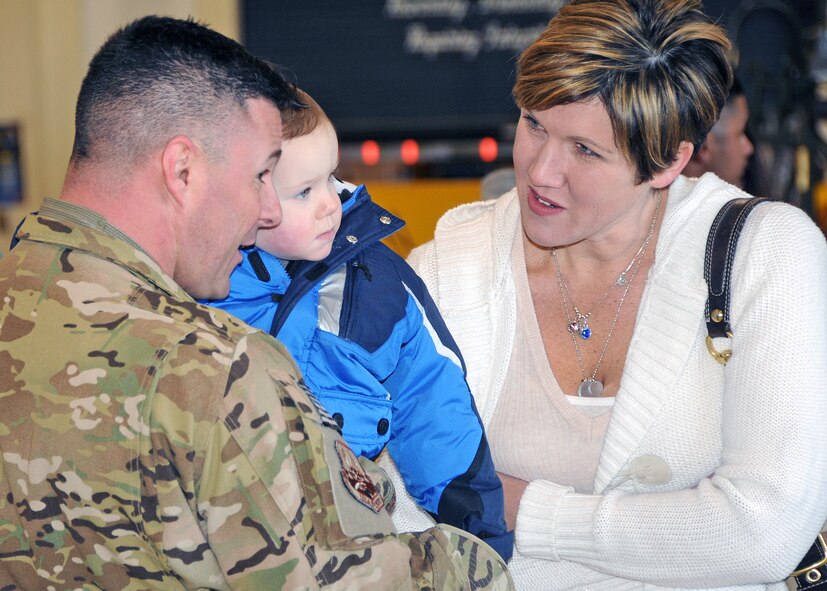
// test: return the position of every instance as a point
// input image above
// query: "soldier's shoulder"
(262, 351)
(188, 315)
(204, 330)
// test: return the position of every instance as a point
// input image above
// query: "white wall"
(45, 46)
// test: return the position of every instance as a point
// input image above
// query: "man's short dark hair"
(159, 77)
(737, 89)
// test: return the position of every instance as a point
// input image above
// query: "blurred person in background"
(727, 149)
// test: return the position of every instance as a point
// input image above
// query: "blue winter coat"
(373, 347)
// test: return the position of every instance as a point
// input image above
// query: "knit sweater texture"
(711, 476)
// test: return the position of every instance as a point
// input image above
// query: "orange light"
(370, 153)
(409, 151)
(488, 149)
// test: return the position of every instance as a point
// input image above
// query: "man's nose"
(270, 209)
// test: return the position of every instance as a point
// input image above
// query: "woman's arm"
(751, 517)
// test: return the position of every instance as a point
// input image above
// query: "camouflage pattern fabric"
(149, 442)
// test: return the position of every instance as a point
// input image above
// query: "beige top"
(537, 431)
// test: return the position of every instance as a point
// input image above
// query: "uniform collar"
(72, 226)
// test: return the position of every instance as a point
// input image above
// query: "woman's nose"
(547, 169)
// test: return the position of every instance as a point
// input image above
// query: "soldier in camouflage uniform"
(149, 442)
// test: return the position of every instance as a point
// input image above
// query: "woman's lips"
(542, 205)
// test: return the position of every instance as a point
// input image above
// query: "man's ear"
(665, 177)
(704, 155)
(177, 161)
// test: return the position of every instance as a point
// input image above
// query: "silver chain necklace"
(580, 324)
(591, 386)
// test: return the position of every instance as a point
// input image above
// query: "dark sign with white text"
(401, 68)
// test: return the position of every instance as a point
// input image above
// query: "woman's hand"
(512, 492)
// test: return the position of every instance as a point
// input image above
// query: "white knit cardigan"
(744, 444)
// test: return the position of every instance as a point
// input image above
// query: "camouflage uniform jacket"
(150, 442)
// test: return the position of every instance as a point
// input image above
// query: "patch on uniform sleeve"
(341, 505)
(356, 480)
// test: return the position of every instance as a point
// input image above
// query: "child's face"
(311, 209)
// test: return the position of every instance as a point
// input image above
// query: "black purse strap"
(811, 573)
(720, 254)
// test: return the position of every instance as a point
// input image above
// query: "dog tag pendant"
(590, 388)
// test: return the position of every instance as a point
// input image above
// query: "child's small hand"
(512, 492)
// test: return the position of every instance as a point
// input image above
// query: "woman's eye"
(532, 121)
(585, 150)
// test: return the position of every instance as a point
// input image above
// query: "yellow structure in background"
(420, 203)
(820, 204)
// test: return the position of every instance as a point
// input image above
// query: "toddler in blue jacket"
(366, 334)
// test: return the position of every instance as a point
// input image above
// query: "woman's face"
(573, 181)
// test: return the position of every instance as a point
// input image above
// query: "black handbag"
(811, 573)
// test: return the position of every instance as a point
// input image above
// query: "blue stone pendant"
(585, 333)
